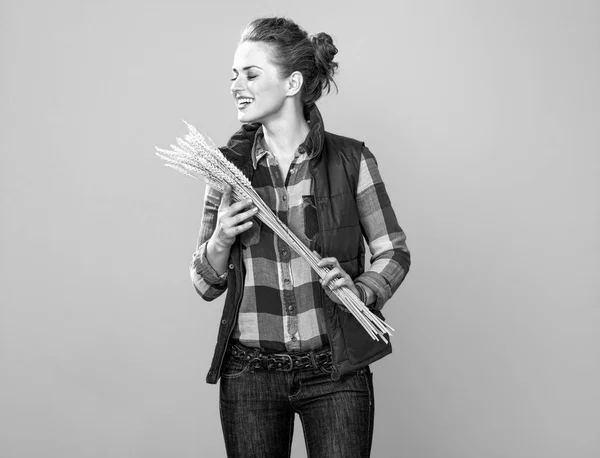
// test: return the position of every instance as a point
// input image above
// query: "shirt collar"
(258, 149)
(312, 145)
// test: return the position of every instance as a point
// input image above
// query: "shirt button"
(284, 198)
(231, 266)
(284, 252)
(292, 170)
(286, 280)
(291, 308)
(224, 322)
(294, 339)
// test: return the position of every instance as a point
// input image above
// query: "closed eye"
(250, 77)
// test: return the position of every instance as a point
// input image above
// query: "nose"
(236, 86)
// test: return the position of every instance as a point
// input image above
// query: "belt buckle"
(286, 355)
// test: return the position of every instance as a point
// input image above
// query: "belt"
(320, 359)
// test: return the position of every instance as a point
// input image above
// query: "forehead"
(251, 53)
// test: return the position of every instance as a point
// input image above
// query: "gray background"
(484, 117)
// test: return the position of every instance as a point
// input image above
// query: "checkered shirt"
(281, 309)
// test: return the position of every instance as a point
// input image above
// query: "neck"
(284, 134)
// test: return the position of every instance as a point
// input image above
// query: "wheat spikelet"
(180, 163)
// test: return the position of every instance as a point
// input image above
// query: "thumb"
(225, 198)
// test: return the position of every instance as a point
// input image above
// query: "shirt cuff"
(205, 270)
(379, 285)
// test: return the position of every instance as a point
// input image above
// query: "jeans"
(258, 408)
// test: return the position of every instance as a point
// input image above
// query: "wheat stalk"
(197, 156)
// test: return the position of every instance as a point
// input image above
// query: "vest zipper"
(237, 309)
(334, 369)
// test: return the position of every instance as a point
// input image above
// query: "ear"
(295, 81)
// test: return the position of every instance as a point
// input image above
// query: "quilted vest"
(334, 170)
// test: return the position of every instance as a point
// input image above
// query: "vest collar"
(244, 143)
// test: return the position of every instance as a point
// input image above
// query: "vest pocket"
(359, 344)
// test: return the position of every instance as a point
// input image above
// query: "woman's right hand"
(232, 219)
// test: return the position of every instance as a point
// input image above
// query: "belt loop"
(264, 361)
(313, 360)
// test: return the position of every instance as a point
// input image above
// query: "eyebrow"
(247, 68)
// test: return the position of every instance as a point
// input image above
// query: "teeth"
(244, 100)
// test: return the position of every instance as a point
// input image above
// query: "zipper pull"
(335, 372)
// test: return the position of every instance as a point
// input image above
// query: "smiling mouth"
(243, 102)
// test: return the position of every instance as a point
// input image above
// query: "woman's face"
(258, 91)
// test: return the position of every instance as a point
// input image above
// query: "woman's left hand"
(336, 277)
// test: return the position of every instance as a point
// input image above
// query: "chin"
(243, 117)
(246, 118)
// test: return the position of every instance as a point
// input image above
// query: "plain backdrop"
(484, 117)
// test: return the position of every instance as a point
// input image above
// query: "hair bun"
(325, 51)
(324, 47)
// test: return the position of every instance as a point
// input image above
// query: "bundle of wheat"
(196, 156)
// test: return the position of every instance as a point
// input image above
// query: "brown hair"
(294, 50)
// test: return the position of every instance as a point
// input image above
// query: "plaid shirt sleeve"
(207, 282)
(390, 258)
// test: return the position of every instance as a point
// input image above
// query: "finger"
(338, 283)
(334, 273)
(233, 231)
(242, 217)
(241, 228)
(239, 206)
(225, 198)
(328, 262)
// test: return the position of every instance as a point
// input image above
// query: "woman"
(285, 345)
